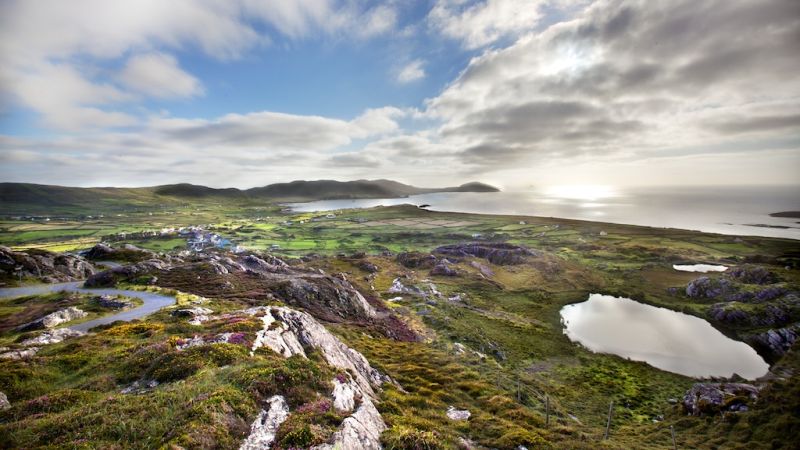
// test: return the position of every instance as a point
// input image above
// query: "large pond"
(665, 339)
(151, 302)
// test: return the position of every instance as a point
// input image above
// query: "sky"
(516, 93)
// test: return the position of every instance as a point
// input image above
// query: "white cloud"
(81, 35)
(158, 75)
(412, 71)
(483, 22)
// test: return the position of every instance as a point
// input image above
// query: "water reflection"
(665, 339)
(728, 210)
(701, 268)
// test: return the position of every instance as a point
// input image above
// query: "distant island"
(789, 214)
(24, 196)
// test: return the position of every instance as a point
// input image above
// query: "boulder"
(712, 398)
(54, 319)
(500, 253)
(458, 414)
(4, 403)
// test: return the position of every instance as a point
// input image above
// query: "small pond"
(701, 268)
(665, 339)
(151, 302)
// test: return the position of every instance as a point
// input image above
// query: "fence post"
(547, 410)
(608, 421)
(672, 431)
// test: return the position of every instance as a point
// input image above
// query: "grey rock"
(52, 337)
(442, 269)
(458, 414)
(711, 398)
(4, 403)
(107, 301)
(775, 342)
(265, 427)
(54, 319)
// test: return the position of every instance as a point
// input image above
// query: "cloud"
(484, 22)
(354, 160)
(412, 71)
(158, 75)
(82, 37)
(628, 78)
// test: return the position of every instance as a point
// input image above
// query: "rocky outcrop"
(127, 252)
(111, 277)
(329, 298)
(705, 287)
(265, 427)
(54, 319)
(483, 268)
(416, 260)
(444, 270)
(289, 332)
(361, 430)
(52, 337)
(368, 267)
(775, 343)
(751, 274)
(501, 254)
(107, 301)
(256, 264)
(398, 287)
(713, 398)
(43, 265)
(734, 313)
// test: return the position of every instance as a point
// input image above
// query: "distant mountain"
(329, 189)
(16, 198)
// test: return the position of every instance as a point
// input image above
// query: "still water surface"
(726, 210)
(151, 302)
(665, 339)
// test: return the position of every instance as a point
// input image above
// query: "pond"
(665, 339)
(700, 268)
(151, 302)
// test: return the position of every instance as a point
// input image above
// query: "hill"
(27, 198)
